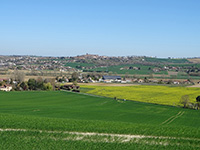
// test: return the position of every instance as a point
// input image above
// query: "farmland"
(65, 120)
(127, 67)
(164, 60)
(164, 95)
(144, 69)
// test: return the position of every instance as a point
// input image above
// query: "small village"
(16, 71)
(16, 84)
(62, 64)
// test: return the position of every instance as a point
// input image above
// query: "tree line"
(35, 84)
(185, 101)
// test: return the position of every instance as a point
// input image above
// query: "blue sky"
(159, 28)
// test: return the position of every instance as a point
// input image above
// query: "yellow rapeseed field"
(152, 94)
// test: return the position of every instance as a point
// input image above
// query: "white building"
(5, 88)
(109, 79)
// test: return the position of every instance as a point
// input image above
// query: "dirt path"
(124, 137)
(172, 118)
(95, 137)
(86, 135)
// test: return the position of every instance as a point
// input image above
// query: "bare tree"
(185, 100)
(18, 76)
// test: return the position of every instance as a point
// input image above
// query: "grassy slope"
(75, 112)
(146, 93)
(116, 69)
(77, 106)
(73, 65)
(144, 69)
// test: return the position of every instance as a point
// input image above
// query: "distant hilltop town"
(20, 72)
(60, 63)
(133, 65)
(90, 62)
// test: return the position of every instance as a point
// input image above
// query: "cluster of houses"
(109, 79)
(34, 63)
(6, 88)
(154, 69)
(118, 79)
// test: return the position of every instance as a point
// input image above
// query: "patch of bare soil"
(194, 60)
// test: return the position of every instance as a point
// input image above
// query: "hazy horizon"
(102, 55)
(111, 28)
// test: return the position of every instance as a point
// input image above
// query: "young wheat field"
(65, 120)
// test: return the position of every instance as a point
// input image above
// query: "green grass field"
(75, 64)
(144, 69)
(64, 120)
(164, 95)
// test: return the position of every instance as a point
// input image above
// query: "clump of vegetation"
(33, 84)
(185, 101)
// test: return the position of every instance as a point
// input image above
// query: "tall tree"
(185, 100)
(32, 84)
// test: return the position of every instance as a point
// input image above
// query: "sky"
(162, 28)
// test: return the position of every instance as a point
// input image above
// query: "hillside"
(55, 120)
(122, 65)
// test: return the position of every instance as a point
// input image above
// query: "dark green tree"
(74, 76)
(24, 85)
(32, 84)
(40, 83)
(198, 99)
